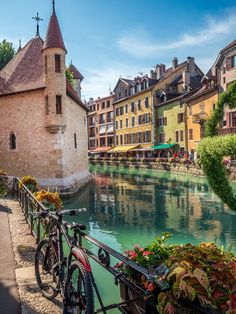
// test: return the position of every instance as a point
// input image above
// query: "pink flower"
(146, 253)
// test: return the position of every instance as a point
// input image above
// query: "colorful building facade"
(199, 107)
(101, 124)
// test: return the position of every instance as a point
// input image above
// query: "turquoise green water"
(125, 207)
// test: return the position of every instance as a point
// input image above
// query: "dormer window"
(57, 63)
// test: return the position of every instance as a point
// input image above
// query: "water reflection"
(133, 206)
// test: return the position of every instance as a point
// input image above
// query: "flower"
(201, 273)
(29, 182)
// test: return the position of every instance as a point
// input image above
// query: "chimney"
(162, 69)
(174, 63)
(158, 71)
(186, 79)
(191, 66)
(153, 74)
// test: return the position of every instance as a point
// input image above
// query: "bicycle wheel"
(79, 290)
(46, 269)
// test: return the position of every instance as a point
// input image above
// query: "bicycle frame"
(74, 251)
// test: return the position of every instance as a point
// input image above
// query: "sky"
(109, 39)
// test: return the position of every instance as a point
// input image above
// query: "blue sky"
(107, 39)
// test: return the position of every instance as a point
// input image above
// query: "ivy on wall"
(213, 149)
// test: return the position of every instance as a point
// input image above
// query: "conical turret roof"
(54, 37)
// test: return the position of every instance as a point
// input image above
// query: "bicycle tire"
(45, 254)
(80, 299)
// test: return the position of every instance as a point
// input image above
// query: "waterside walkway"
(19, 292)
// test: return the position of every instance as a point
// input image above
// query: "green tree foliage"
(7, 52)
(227, 98)
(213, 149)
(69, 76)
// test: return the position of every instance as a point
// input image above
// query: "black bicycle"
(71, 275)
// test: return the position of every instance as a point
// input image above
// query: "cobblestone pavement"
(32, 301)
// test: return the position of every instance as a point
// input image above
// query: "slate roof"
(72, 93)
(25, 71)
(54, 37)
(76, 73)
(233, 43)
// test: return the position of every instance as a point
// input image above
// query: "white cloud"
(100, 80)
(137, 45)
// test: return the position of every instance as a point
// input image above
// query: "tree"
(70, 76)
(7, 52)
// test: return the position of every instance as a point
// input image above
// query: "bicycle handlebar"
(57, 214)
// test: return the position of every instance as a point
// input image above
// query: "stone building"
(101, 124)
(43, 125)
(224, 69)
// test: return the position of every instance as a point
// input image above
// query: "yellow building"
(134, 116)
(198, 108)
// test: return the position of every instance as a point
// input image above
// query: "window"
(132, 107)
(102, 142)
(126, 92)
(108, 103)
(177, 136)
(190, 134)
(213, 106)
(12, 139)
(148, 136)
(119, 95)
(233, 61)
(139, 137)
(133, 121)
(102, 130)
(57, 63)
(126, 108)
(233, 119)
(117, 112)
(139, 104)
(180, 117)
(181, 135)
(224, 80)
(117, 140)
(162, 138)
(127, 122)
(58, 105)
(103, 105)
(120, 124)
(117, 125)
(146, 102)
(121, 111)
(75, 141)
(102, 118)
(97, 106)
(121, 139)
(46, 105)
(46, 64)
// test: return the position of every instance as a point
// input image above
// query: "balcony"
(200, 117)
(230, 130)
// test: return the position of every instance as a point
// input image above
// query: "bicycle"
(71, 276)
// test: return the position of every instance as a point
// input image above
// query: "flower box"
(184, 278)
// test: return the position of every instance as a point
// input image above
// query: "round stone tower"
(54, 52)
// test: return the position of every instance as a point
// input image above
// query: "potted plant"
(29, 182)
(192, 277)
(51, 200)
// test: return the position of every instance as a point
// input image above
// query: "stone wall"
(50, 157)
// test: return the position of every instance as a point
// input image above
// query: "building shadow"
(9, 304)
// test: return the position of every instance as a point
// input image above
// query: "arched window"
(12, 141)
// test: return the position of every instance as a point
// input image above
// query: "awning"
(100, 150)
(143, 149)
(122, 149)
(163, 146)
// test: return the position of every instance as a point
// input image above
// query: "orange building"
(199, 107)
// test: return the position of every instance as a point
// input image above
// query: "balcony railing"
(230, 130)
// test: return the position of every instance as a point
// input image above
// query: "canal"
(127, 207)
